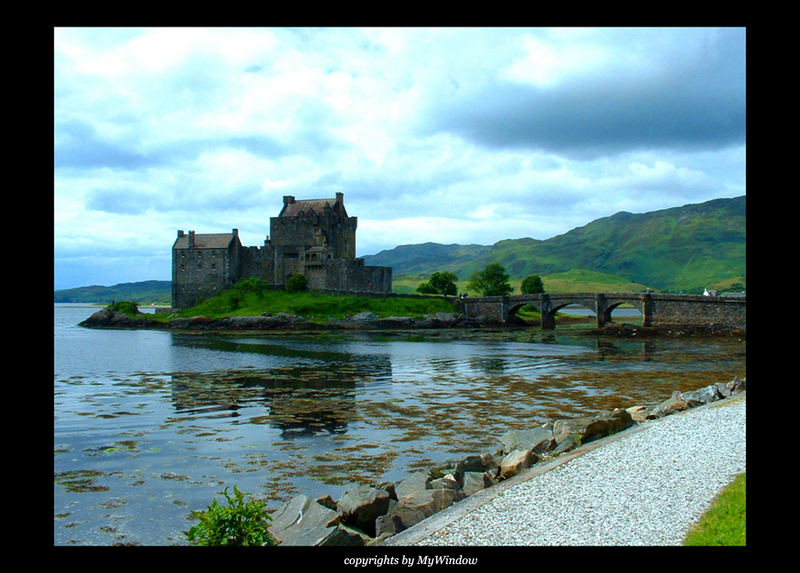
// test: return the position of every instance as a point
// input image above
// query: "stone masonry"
(315, 238)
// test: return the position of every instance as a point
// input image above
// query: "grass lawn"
(251, 297)
(724, 524)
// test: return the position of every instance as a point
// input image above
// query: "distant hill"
(682, 248)
(144, 292)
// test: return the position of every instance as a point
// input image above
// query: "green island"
(254, 297)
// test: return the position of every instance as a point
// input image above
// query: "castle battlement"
(312, 237)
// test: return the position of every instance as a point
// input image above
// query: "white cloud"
(160, 129)
(545, 63)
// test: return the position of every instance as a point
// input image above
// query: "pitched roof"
(306, 205)
(206, 241)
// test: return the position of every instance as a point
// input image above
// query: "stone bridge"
(657, 309)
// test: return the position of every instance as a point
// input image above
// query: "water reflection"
(645, 349)
(157, 423)
(299, 400)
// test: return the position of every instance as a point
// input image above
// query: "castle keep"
(315, 238)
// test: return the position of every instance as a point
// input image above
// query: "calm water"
(149, 425)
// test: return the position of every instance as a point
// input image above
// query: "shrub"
(125, 307)
(238, 523)
(296, 283)
(426, 288)
(252, 285)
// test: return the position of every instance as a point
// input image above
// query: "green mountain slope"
(681, 248)
(142, 292)
(426, 258)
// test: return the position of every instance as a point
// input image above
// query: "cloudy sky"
(453, 135)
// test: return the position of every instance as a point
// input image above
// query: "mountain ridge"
(677, 248)
(685, 248)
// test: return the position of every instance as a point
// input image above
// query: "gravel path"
(646, 488)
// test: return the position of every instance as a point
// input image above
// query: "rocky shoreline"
(369, 514)
(106, 318)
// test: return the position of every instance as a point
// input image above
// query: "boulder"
(192, 322)
(443, 318)
(516, 461)
(388, 487)
(412, 483)
(303, 521)
(571, 432)
(288, 317)
(437, 472)
(669, 406)
(396, 322)
(737, 384)
(702, 396)
(446, 482)
(100, 317)
(723, 389)
(327, 501)
(538, 439)
(637, 413)
(606, 424)
(479, 464)
(429, 501)
(360, 505)
(476, 481)
(413, 493)
(343, 535)
(400, 516)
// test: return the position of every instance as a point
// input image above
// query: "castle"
(315, 238)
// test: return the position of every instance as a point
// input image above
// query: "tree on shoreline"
(532, 284)
(443, 282)
(491, 281)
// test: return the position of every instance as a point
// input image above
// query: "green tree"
(426, 288)
(444, 282)
(532, 284)
(491, 281)
(238, 523)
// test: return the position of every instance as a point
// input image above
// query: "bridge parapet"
(656, 309)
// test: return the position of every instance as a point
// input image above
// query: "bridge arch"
(514, 308)
(655, 309)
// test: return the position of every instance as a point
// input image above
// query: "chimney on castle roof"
(288, 199)
(340, 198)
(180, 233)
(191, 239)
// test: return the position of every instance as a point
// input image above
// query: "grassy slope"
(145, 292)
(725, 523)
(683, 248)
(577, 280)
(313, 306)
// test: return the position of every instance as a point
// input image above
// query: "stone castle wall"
(200, 273)
(314, 238)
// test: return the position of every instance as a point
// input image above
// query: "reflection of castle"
(315, 238)
(296, 407)
(298, 400)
